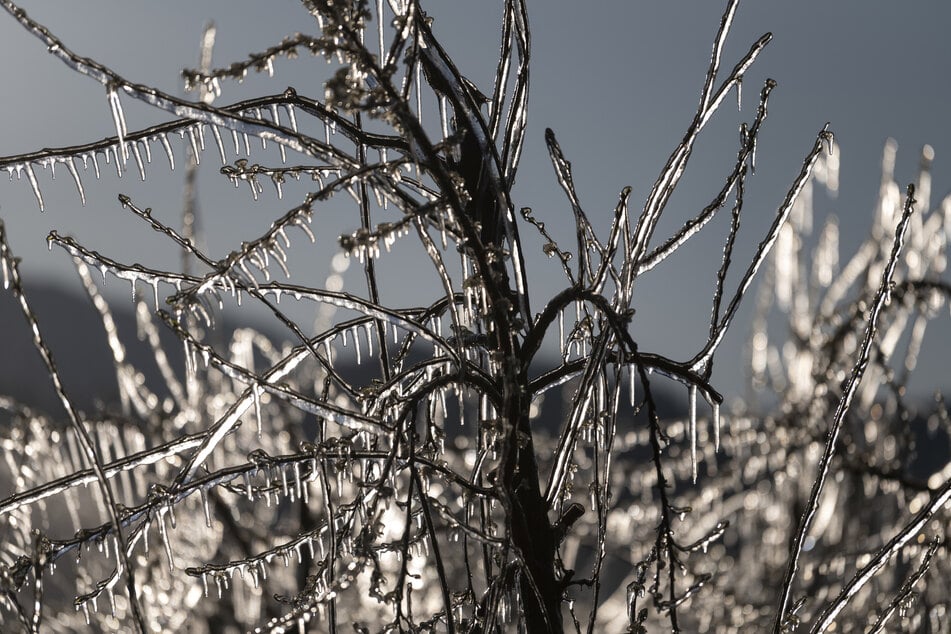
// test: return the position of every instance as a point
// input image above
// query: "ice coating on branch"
(395, 483)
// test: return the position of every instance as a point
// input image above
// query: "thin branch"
(855, 378)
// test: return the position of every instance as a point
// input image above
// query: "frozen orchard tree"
(388, 468)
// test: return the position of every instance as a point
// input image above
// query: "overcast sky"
(617, 80)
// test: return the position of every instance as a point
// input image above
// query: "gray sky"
(617, 80)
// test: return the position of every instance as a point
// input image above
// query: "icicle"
(753, 156)
(716, 426)
(632, 381)
(171, 514)
(383, 160)
(444, 116)
(379, 29)
(257, 114)
(417, 69)
(191, 364)
(303, 226)
(71, 166)
(145, 540)
(221, 146)
(112, 601)
(138, 160)
(95, 163)
(284, 488)
(118, 118)
(739, 93)
(36, 186)
(204, 506)
(193, 140)
(169, 154)
(442, 403)
(281, 258)
(356, 345)
(291, 115)
(165, 542)
(255, 187)
(243, 265)
(256, 395)
(115, 152)
(561, 332)
(247, 486)
(368, 331)
(281, 233)
(298, 486)
(693, 431)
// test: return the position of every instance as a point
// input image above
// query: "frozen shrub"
(392, 468)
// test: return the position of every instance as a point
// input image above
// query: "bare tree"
(390, 468)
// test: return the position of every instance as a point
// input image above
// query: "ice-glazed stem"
(851, 387)
(88, 448)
